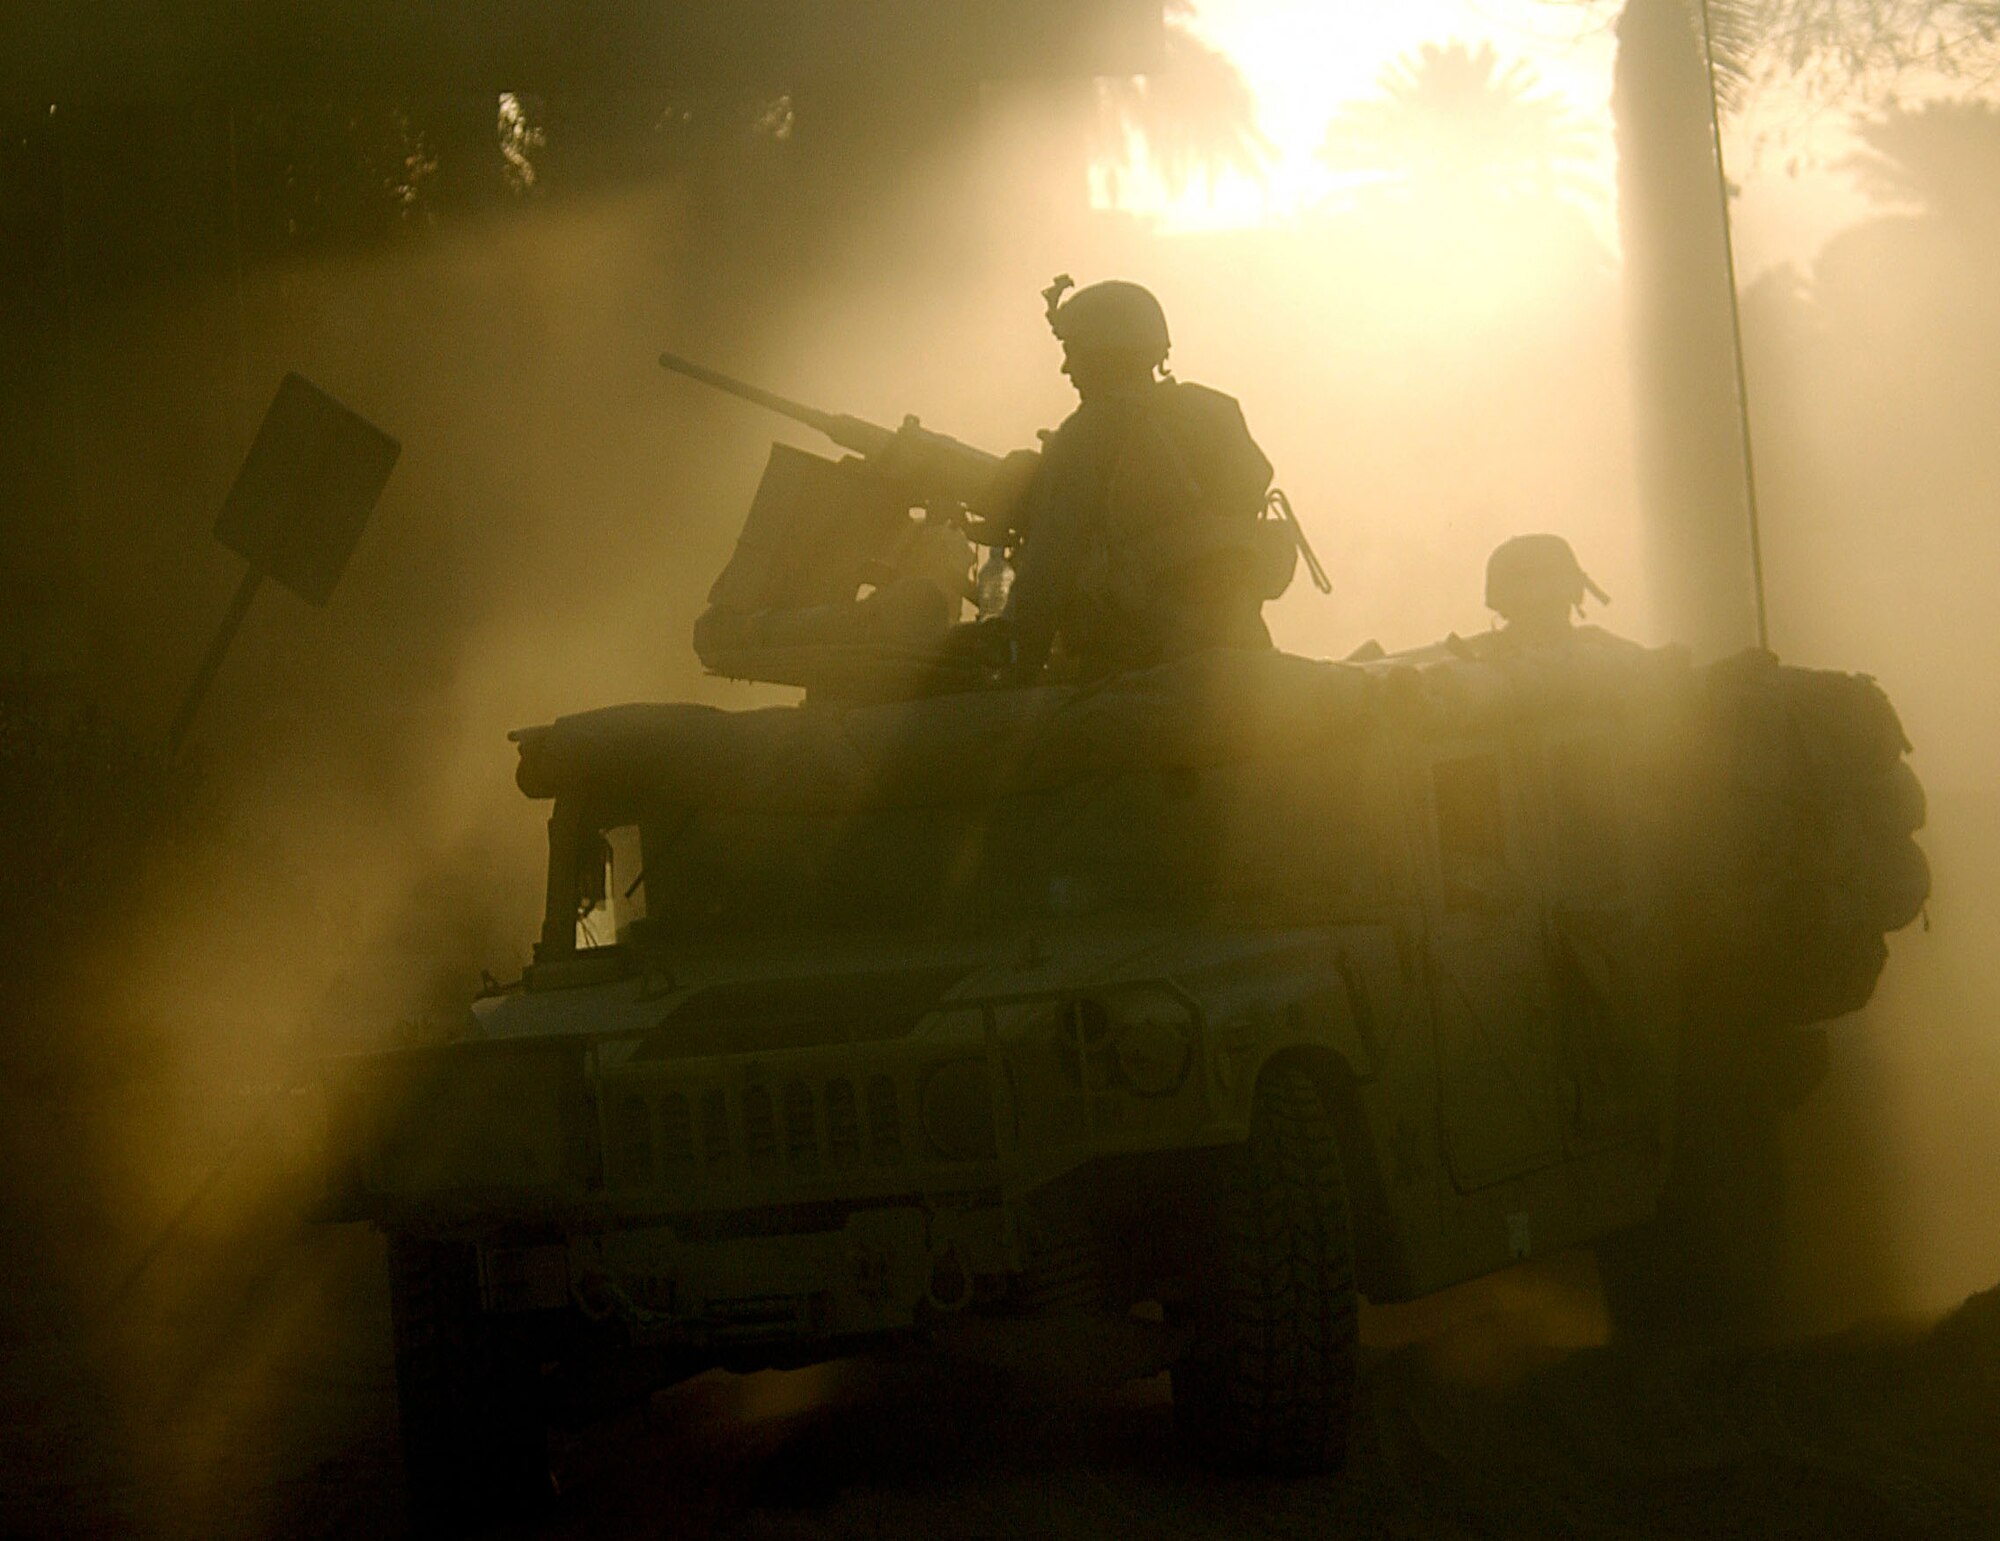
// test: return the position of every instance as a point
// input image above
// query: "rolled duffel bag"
(1803, 858)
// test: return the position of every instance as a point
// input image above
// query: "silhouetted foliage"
(1847, 40)
(1942, 158)
(1455, 121)
(1874, 407)
(1834, 47)
(1196, 116)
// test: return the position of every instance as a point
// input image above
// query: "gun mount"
(849, 574)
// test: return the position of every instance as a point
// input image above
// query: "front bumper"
(872, 1271)
(825, 1192)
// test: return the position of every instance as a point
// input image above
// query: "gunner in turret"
(1139, 531)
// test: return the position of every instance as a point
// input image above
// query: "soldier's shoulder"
(1199, 400)
(1202, 410)
(1210, 424)
(1195, 391)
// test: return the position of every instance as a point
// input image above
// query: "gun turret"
(934, 467)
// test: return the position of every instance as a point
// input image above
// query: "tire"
(1267, 1381)
(475, 1441)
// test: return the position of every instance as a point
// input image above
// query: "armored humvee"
(1195, 1004)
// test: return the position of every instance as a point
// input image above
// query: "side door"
(1500, 1100)
(1611, 959)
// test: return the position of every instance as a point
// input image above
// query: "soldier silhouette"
(1536, 586)
(1140, 529)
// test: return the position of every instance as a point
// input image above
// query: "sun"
(1304, 60)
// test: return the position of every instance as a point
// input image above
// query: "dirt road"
(251, 1394)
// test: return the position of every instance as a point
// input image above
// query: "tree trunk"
(1693, 481)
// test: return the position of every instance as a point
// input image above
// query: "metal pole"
(253, 577)
(1736, 336)
(211, 662)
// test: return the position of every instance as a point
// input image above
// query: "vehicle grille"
(794, 1124)
(843, 1124)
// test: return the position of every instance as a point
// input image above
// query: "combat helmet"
(1112, 316)
(1537, 574)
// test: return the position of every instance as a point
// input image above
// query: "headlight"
(956, 1107)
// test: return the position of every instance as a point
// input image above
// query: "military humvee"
(1196, 1004)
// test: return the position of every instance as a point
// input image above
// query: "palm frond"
(1942, 158)
(1194, 117)
(1453, 115)
(1733, 32)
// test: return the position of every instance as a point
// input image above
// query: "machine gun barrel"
(850, 433)
(936, 461)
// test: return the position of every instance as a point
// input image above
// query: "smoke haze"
(1428, 376)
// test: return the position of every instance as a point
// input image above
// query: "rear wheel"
(1705, 1268)
(1267, 1382)
(475, 1443)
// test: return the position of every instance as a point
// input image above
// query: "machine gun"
(945, 476)
(833, 584)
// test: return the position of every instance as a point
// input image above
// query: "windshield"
(612, 896)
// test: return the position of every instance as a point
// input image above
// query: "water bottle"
(996, 577)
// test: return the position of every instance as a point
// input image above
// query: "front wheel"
(1267, 1382)
(475, 1441)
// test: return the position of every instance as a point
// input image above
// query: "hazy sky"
(1303, 58)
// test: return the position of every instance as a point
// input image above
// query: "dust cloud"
(1880, 474)
(350, 852)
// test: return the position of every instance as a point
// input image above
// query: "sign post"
(295, 513)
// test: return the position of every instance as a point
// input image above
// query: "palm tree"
(1939, 158)
(1693, 476)
(1466, 184)
(1453, 122)
(1837, 45)
(1193, 117)
(1672, 55)
(1833, 47)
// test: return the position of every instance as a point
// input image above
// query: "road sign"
(306, 489)
(297, 509)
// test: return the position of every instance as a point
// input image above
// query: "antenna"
(1736, 337)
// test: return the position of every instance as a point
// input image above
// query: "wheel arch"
(1376, 1259)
